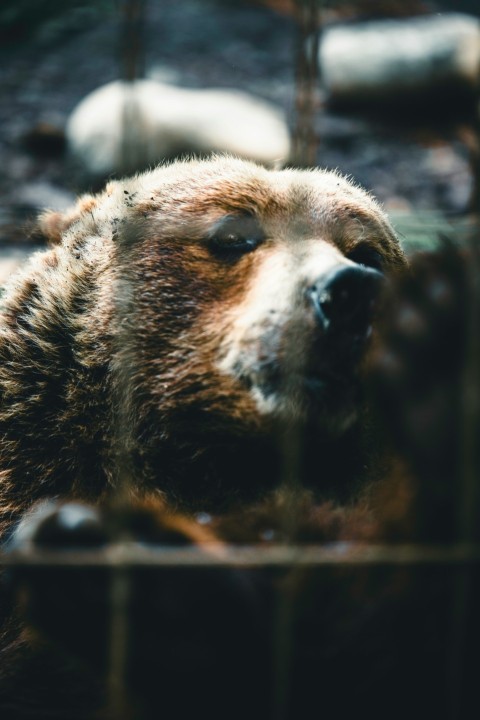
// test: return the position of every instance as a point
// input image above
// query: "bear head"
(229, 306)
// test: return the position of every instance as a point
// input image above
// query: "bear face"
(268, 278)
(182, 315)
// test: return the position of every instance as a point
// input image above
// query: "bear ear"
(50, 226)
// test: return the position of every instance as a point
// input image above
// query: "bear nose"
(343, 301)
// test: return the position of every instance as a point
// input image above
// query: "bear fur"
(135, 348)
(136, 375)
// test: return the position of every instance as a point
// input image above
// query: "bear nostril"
(345, 299)
(319, 300)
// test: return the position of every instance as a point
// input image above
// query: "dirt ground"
(420, 170)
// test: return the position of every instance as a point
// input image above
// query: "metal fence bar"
(341, 553)
(132, 57)
(468, 506)
(290, 438)
(305, 141)
(118, 701)
(132, 60)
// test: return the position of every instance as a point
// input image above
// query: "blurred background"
(386, 92)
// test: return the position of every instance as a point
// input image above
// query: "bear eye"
(367, 256)
(235, 235)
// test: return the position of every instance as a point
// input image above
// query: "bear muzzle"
(308, 363)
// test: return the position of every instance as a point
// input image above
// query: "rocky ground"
(48, 63)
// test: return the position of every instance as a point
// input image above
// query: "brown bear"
(194, 338)
(186, 328)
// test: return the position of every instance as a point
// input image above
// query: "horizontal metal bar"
(136, 555)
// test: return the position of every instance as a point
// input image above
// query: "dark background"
(53, 53)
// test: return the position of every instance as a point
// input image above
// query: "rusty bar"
(132, 154)
(305, 140)
(132, 57)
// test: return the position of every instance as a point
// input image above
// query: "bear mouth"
(296, 375)
(317, 396)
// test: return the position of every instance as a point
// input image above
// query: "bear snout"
(305, 357)
(343, 301)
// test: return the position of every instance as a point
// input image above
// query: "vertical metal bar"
(126, 362)
(468, 505)
(118, 702)
(291, 442)
(133, 155)
(132, 67)
(120, 580)
(283, 646)
(467, 509)
(305, 141)
(132, 56)
(475, 156)
(291, 436)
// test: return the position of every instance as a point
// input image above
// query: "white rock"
(42, 195)
(381, 58)
(123, 127)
